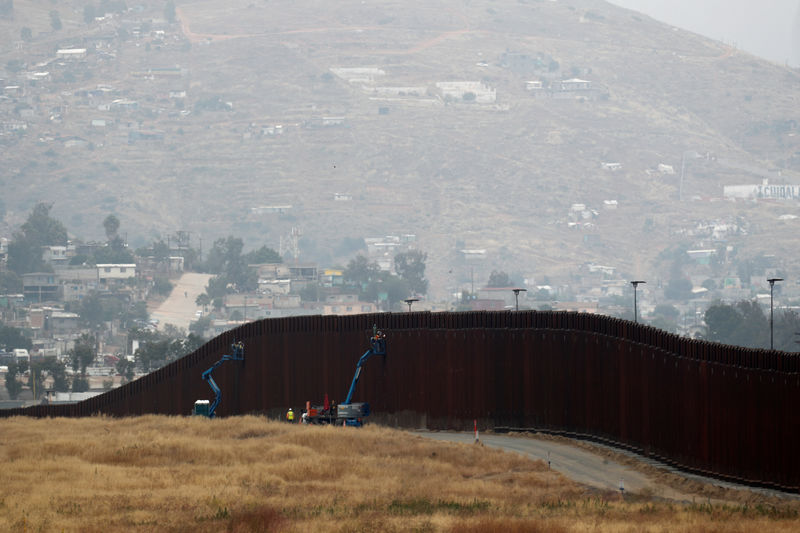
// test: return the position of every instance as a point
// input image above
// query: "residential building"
(40, 287)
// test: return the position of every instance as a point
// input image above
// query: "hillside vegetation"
(272, 117)
(157, 473)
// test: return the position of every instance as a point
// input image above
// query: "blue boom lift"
(352, 413)
(348, 413)
(202, 407)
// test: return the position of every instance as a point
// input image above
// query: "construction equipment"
(348, 413)
(202, 407)
(352, 413)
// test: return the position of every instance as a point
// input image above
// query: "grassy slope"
(248, 474)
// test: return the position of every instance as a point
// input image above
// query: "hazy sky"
(767, 28)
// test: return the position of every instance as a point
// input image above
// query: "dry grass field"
(158, 473)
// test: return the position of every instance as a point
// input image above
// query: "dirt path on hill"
(179, 308)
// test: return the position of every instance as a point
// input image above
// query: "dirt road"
(180, 307)
(588, 468)
(577, 464)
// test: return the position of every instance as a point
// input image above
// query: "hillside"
(208, 123)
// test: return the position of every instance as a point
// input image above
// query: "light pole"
(516, 295)
(771, 286)
(410, 301)
(635, 312)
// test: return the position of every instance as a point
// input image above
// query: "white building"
(459, 89)
(109, 271)
(764, 190)
(71, 53)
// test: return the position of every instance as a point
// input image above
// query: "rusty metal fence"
(721, 410)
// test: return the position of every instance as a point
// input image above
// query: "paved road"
(179, 308)
(575, 463)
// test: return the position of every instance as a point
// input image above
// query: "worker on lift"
(290, 416)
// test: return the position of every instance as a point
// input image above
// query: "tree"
(88, 13)
(410, 266)
(360, 272)
(665, 317)
(203, 300)
(498, 279)
(52, 367)
(7, 8)
(13, 386)
(159, 348)
(55, 20)
(161, 251)
(111, 225)
(91, 311)
(25, 250)
(199, 326)
(83, 353)
(11, 338)
(80, 384)
(262, 255)
(162, 286)
(742, 324)
(14, 65)
(787, 328)
(126, 369)
(169, 11)
(679, 289)
(225, 259)
(722, 321)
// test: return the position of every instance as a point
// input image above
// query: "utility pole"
(771, 322)
(635, 311)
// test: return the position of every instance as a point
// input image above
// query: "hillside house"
(473, 254)
(346, 304)
(61, 322)
(366, 75)
(274, 287)
(303, 272)
(331, 278)
(55, 255)
(665, 169)
(576, 307)
(39, 287)
(575, 84)
(249, 306)
(503, 294)
(481, 304)
(270, 271)
(459, 90)
(77, 282)
(75, 142)
(111, 275)
(71, 53)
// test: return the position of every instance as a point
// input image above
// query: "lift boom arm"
(377, 347)
(238, 355)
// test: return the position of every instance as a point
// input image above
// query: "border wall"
(720, 410)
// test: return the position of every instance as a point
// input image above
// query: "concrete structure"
(460, 90)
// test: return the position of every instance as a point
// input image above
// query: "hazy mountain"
(253, 118)
(769, 29)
